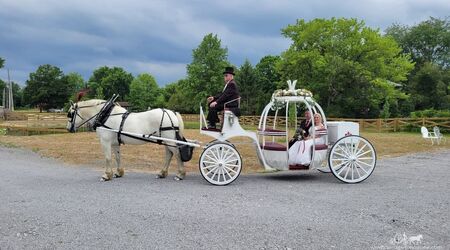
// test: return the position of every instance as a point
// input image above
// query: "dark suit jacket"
(297, 131)
(304, 127)
(231, 92)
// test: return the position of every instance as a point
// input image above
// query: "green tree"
(2, 62)
(429, 41)
(17, 95)
(144, 92)
(428, 44)
(106, 81)
(270, 78)
(429, 87)
(349, 67)
(47, 88)
(250, 88)
(204, 74)
(75, 79)
(177, 98)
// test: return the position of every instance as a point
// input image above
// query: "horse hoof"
(104, 179)
(117, 176)
(177, 178)
(160, 176)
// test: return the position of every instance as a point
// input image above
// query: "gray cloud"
(157, 37)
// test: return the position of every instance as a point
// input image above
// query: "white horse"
(145, 123)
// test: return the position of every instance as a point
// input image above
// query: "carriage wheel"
(352, 159)
(220, 164)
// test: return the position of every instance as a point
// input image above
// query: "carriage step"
(298, 167)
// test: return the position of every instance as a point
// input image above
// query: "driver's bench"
(227, 117)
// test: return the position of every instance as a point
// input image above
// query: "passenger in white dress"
(300, 152)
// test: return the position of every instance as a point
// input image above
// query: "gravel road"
(45, 204)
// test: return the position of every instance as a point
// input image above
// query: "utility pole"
(4, 96)
(11, 100)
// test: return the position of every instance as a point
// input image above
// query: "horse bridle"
(74, 114)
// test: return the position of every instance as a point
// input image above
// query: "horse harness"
(105, 112)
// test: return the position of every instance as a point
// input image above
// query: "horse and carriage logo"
(403, 239)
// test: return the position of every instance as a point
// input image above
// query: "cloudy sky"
(158, 37)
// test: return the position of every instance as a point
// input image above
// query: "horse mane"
(90, 102)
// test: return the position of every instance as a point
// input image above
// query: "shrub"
(430, 113)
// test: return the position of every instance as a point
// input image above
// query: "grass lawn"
(84, 149)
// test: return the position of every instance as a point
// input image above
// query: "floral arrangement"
(292, 91)
(297, 92)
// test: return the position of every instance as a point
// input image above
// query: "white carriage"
(350, 157)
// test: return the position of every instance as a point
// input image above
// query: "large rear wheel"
(352, 159)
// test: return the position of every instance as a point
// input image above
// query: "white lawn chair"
(438, 134)
(429, 135)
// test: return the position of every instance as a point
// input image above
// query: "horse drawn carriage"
(349, 157)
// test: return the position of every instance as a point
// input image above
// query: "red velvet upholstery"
(211, 129)
(298, 167)
(272, 130)
(274, 146)
(321, 146)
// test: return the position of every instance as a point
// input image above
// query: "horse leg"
(181, 171)
(164, 171)
(120, 170)
(108, 170)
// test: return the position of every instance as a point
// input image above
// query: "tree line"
(353, 71)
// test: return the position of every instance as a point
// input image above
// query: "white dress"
(300, 152)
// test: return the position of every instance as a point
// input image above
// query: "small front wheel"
(220, 164)
(352, 159)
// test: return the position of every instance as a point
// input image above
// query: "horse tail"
(180, 123)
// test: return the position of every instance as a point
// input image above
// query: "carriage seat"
(321, 146)
(273, 146)
(212, 129)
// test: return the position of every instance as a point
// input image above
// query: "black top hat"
(229, 70)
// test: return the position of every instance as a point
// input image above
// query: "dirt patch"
(84, 149)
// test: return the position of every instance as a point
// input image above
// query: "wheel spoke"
(214, 170)
(368, 151)
(353, 170)
(220, 174)
(212, 158)
(209, 166)
(351, 146)
(367, 164)
(230, 169)
(224, 154)
(338, 167)
(346, 173)
(357, 171)
(361, 149)
(342, 169)
(217, 153)
(344, 150)
(361, 168)
(231, 161)
(228, 157)
(343, 156)
(228, 173)
(365, 158)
